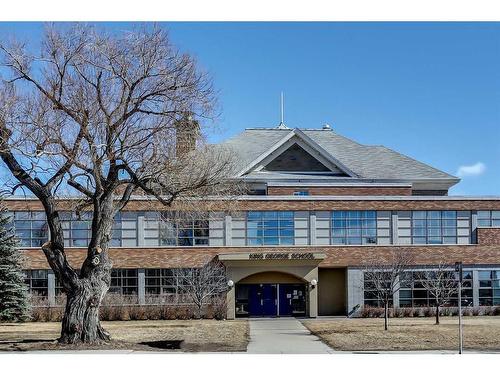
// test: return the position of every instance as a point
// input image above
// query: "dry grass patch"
(480, 333)
(197, 335)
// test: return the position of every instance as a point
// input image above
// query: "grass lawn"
(197, 335)
(480, 333)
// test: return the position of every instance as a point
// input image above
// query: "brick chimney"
(187, 132)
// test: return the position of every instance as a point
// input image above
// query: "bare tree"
(202, 284)
(384, 278)
(441, 283)
(97, 114)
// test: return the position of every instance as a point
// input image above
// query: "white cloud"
(471, 170)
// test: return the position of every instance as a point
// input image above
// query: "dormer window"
(301, 192)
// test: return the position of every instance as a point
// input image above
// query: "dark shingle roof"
(368, 162)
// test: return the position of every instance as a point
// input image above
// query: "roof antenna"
(282, 108)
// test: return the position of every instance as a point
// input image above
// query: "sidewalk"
(283, 336)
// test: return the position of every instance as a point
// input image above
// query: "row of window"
(413, 292)
(279, 228)
(261, 228)
(161, 282)
(160, 229)
(158, 282)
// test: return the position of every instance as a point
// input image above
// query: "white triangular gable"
(300, 140)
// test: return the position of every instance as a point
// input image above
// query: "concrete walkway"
(283, 336)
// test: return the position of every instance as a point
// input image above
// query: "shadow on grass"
(28, 341)
(164, 344)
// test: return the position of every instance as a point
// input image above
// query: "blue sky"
(428, 90)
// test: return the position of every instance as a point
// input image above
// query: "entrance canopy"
(266, 279)
(303, 265)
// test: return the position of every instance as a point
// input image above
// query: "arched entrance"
(294, 274)
(271, 293)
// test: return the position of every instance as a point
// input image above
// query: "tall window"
(167, 283)
(37, 281)
(371, 297)
(488, 218)
(354, 227)
(160, 281)
(31, 228)
(414, 294)
(125, 229)
(434, 227)
(59, 288)
(173, 229)
(270, 228)
(489, 288)
(76, 228)
(124, 281)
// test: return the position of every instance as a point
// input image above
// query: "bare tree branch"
(200, 284)
(97, 115)
(441, 283)
(384, 277)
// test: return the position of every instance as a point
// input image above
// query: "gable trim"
(302, 140)
(325, 154)
(307, 148)
(297, 157)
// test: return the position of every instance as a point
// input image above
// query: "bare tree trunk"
(81, 316)
(437, 313)
(386, 316)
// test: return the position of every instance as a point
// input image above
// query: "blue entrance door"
(269, 303)
(285, 300)
(254, 301)
(262, 300)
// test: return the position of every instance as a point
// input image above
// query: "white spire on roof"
(282, 108)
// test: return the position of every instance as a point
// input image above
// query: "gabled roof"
(359, 161)
(291, 137)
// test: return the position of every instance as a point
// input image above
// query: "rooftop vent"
(326, 127)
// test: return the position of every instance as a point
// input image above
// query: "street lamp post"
(458, 268)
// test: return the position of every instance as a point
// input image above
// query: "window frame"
(493, 289)
(255, 222)
(434, 221)
(41, 275)
(161, 223)
(30, 219)
(488, 218)
(348, 217)
(166, 279)
(123, 277)
(374, 300)
(467, 291)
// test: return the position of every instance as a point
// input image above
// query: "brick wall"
(340, 256)
(291, 204)
(488, 236)
(339, 191)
